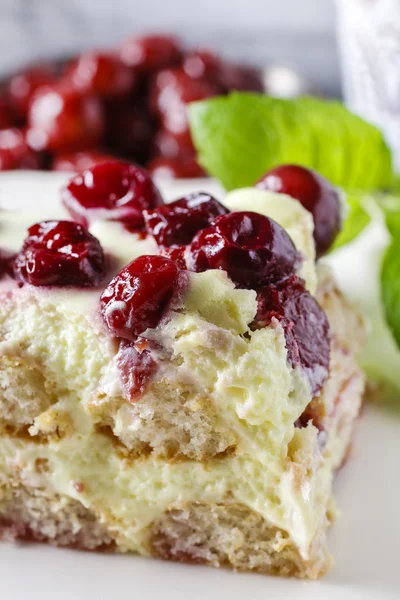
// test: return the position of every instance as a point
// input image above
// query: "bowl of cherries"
(128, 103)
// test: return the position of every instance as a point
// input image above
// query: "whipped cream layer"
(245, 376)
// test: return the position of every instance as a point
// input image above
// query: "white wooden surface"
(297, 32)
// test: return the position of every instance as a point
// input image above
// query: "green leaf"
(390, 287)
(357, 219)
(241, 136)
(390, 206)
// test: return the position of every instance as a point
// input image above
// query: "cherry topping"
(63, 119)
(151, 52)
(114, 191)
(177, 254)
(315, 193)
(102, 74)
(178, 222)
(79, 161)
(175, 168)
(253, 249)
(14, 151)
(60, 253)
(136, 367)
(305, 324)
(22, 85)
(138, 295)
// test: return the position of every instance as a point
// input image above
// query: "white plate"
(365, 541)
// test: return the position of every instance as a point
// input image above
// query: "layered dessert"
(177, 379)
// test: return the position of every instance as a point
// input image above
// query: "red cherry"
(60, 253)
(305, 324)
(7, 117)
(251, 248)
(137, 297)
(177, 223)
(79, 161)
(113, 191)
(21, 86)
(171, 90)
(136, 367)
(175, 168)
(241, 78)
(150, 53)
(62, 119)
(171, 145)
(129, 130)
(315, 193)
(177, 254)
(14, 151)
(102, 74)
(202, 63)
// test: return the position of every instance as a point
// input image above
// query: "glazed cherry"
(315, 193)
(138, 296)
(177, 223)
(171, 91)
(102, 74)
(79, 161)
(177, 254)
(185, 167)
(14, 151)
(202, 63)
(112, 191)
(60, 253)
(7, 118)
(241, 78)
(136, 367)
(129, 130)
(254, 250)
(171, 145)
(305, 325)
(22, 85)
(63, 119)
(150, 53)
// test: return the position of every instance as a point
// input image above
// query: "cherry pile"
(128, 103)
(194, 233)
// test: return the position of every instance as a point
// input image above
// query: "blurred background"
(300, 33)
(110, 89)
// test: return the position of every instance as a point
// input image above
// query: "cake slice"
(185, 393)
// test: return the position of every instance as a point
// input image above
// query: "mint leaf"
(241, 136)
(390, 288)
(357, 219)
(390, 206)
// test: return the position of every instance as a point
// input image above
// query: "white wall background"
(296, 32)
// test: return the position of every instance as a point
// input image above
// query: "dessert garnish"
(178, 222)
(60, 253)
(305, 325)
(138, 295)
(315, 193)
(253, 249)
(112, 191)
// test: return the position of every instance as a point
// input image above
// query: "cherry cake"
(178, 373)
